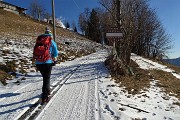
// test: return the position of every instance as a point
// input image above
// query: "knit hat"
(47, 30)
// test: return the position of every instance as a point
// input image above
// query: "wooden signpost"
(113, 35)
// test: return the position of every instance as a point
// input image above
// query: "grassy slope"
(13, 24)
(16, 24)
(140, 81)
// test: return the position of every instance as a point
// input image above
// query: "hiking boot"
(49, 93)
(45, 100)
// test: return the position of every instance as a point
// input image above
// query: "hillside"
(24, 25)
(18, 35)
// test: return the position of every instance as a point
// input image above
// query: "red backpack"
(41, 49)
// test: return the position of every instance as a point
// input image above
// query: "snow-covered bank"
(148, 64)
(18, 49)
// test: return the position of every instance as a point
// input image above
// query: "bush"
(123, 76)
(3, 77)
(10, 66)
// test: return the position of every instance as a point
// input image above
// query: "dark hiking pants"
(45, 70)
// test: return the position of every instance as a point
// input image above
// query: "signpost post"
(114, 35)
(53, 16)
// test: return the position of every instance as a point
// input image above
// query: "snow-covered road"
(76, 98)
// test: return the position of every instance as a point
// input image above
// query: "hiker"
(45, 54)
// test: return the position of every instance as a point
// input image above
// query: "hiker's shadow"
(9, 95)
(17, 107)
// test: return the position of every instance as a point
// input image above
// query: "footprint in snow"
(108, 109)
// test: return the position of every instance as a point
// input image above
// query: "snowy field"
(84, 91)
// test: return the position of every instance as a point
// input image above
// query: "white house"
(12, 8)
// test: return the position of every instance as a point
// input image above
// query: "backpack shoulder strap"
(43, 36)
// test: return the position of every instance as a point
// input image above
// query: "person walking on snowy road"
(45, 54)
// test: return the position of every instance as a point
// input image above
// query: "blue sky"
(168, 12)
(68, 9)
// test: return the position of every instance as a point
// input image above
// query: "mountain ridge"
(175, 61)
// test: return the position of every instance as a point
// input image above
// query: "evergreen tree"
(75, 29)
(93, 25)
(67, 25)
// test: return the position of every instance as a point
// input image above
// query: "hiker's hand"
(54, 59)
(54, 63)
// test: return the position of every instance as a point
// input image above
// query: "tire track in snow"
(76, 99)
(12, 106)
(28, 96)
(72, 108)
(74, 112)
(66, 99)
(18, 108)
(91, 101)
(32, 111)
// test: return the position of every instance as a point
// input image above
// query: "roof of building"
(13, 5)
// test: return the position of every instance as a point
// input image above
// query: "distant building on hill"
(12, 8)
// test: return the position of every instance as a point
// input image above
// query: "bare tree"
(140, 26)
(36, 10)
(67, 25)
(47, 16)
(113, 7)
(161, 44)
(83, 21)
(73, 25)
(149, 37)
(122, 48)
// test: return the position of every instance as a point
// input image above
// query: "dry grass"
(3, 77)
(141, 78)
(176, 68)
(132, 83)
(169, 83)
(12, 23)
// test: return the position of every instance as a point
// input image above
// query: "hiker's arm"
(55, 50)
